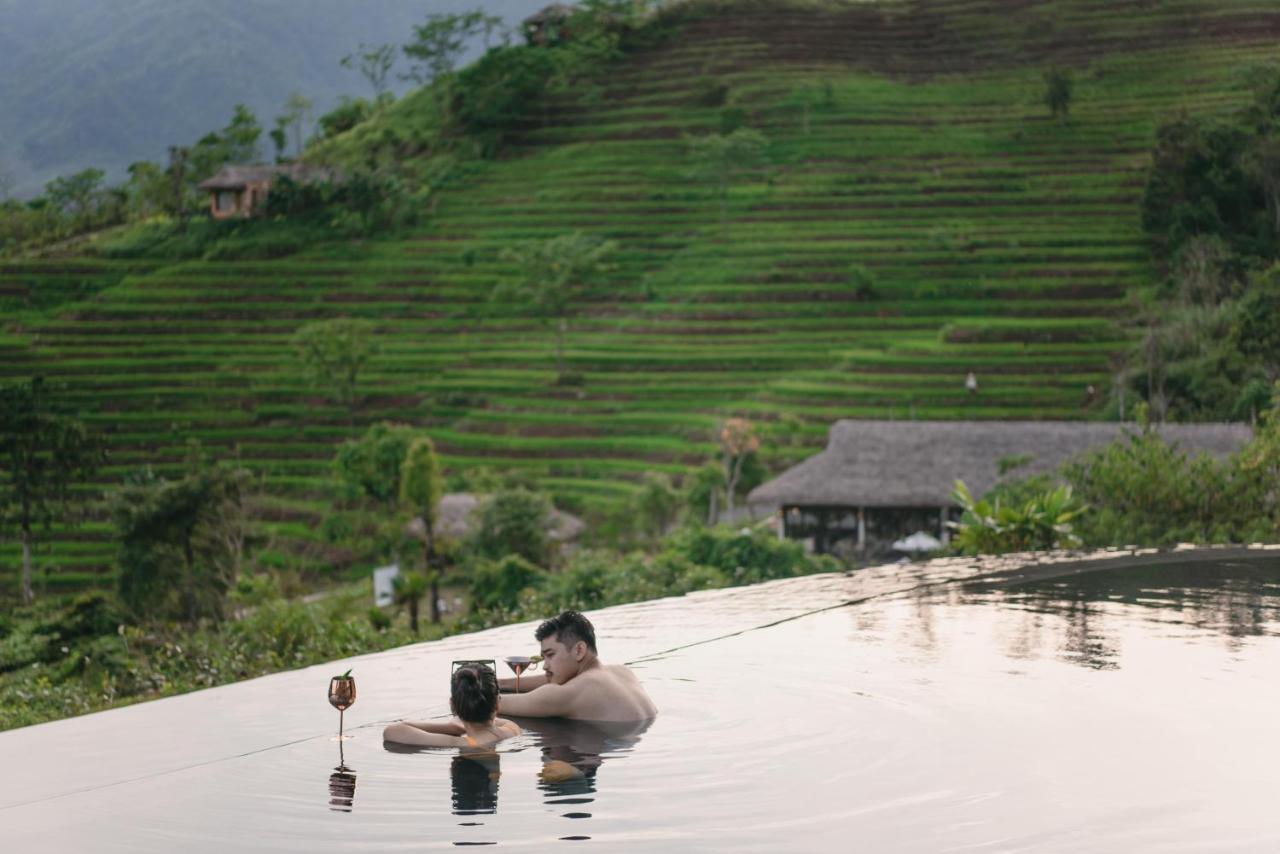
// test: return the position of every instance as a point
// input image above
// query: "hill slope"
(89, 83)
(1002, 242)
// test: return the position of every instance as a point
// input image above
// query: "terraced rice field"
(908, 138)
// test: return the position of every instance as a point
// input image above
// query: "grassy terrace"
(1002, 242)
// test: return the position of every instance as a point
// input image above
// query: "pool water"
(1112, 710)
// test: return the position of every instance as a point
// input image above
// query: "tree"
(296, 116)
(514, 521)
(77, 195)
(1057, 92)
(235, 143)
(738, 440)
(1262, 163)
(703, 491)
(557, 276)
(182, 542)
(437, 45)
(147, 189)
(44, 454)
(372, 465)
(408, 589)
(718, 160)
(1257, 332)
(657, 504)
(421, 488)
(335, 352)
(374, 62)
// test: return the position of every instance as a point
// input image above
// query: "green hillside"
(909, 138)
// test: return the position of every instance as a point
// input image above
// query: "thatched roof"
(237, 177)
(553, 12)
(914, 463)
(457, 515)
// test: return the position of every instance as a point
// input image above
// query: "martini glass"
(519, 664)
(342, 695)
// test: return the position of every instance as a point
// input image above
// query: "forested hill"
(917, 214)
(104, 83)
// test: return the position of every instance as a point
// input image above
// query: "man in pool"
(574, 683)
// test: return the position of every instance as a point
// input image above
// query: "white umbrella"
(918, 542)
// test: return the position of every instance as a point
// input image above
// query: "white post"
(946, 532)
(862, 530)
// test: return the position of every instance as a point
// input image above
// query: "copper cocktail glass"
(342, 695)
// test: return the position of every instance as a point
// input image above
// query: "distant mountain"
(107, 82)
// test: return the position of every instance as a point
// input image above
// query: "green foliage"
(657, 505)
(1147, 492)
(1257, 327)
(421, 485)
(514, 522)
(408, 588)
(334, 352)
(1057, 92)
(992, 526)
(496, 95)
(718, 160)
(182, 543)
(371, 466)
(374, 62)
(557, 276)
(704, 492)
(863, 281)
(45, 454)
(499, 585)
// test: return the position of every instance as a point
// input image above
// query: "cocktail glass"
(519, 664)
(342, 696)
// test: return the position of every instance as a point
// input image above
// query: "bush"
(1042, 521)
(500, 585)
(514, 522)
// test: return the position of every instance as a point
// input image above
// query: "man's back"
(610, 692)
(601, 692)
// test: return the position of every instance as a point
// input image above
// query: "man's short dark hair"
(569, 628)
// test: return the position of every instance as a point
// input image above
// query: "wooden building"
(242, 190)
(878, 481)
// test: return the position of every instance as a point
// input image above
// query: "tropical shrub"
(1044, 521)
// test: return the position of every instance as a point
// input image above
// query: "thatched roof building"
(241, 190)
(910, 467)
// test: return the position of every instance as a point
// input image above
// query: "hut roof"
(553, 12)
(237, 177)
(915, 463)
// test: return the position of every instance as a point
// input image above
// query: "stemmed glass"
(342, 695)
(519, 664)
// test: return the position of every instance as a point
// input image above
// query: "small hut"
(880, 480)
(547, 24)
(242, 190)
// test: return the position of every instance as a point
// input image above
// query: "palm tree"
(409, 589)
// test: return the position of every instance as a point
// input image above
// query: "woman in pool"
(473, 696)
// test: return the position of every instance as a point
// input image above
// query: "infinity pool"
(895, 709)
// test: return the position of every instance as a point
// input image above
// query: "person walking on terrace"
(574, 682)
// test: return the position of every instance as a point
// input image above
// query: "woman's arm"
(449, 728)
(404, 733)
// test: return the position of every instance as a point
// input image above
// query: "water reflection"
(342, 785)
(573, 752)
(1237, 601)
(475, 782)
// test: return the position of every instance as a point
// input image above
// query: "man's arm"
(527, 683)
(549, 701)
